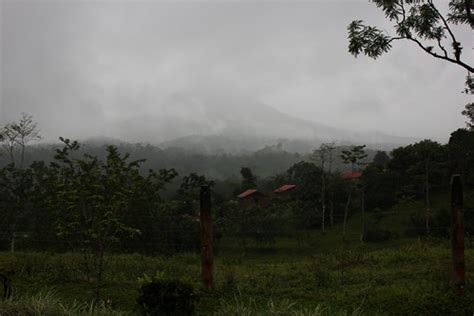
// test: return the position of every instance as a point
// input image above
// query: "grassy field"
(320, 275)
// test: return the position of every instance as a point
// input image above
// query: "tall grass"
(47, 302)
(248, 306)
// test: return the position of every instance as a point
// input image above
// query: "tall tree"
(331, 157)
(16, 190)
(353, 156)
(421, 165)
(324, 155)
(430, 157)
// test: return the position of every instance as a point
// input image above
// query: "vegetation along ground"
(322, 275)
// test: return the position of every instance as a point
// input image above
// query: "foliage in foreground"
(408, 279)
(165, 296)
(47, 302)
(241, 306)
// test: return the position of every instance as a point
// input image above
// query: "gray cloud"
(80, 67)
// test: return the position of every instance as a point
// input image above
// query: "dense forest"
(57, 201)
(265, 162)
(101, 200)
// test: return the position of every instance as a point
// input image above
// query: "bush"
(372, 233)
(440, 224)
(166, 297)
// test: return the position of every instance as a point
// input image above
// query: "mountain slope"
(232, 124)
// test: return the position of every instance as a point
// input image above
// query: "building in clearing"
(286, 188)
(351, 175)
(252, 196)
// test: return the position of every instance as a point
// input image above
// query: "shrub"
(373, 233)
(166, 297)
(418, 225)
(440, 224)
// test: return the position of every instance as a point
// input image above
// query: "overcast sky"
(72, 64)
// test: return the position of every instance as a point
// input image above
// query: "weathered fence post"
(457, 215)
(207, 259)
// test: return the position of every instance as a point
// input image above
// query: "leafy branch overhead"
(418, 21)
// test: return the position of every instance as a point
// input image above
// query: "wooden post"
(207, 259)
(457, 215)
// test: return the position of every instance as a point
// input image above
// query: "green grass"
(47, 302)
(323, 275)
(406, 279)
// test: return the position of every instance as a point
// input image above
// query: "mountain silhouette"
(232, 124)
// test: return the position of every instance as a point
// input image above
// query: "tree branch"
(402, 6)
(396, 38)
(456, 45)
(442, 48)
(454, 61)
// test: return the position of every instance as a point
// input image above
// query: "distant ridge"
(223, 125)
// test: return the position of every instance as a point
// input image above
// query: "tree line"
(98, 205)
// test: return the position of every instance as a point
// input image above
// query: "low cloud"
(82, 67)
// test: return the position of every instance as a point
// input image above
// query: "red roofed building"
(352, 175)
(284, 188)
(248, 193)
(252, 195)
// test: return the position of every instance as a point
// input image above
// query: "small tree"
(331, 148)
(469, 113)
(352, 157)
(92, 197)
(307, 177)
(188, 192)
(27, 131)
(324, 155)
(381, 159)
(19, 133)
(16, 191)
(10, 140)
(249, 181)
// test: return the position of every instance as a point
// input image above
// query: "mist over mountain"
(232, 124)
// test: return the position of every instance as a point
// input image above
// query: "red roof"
(351, 175)
(284, 188)
(248, 193)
